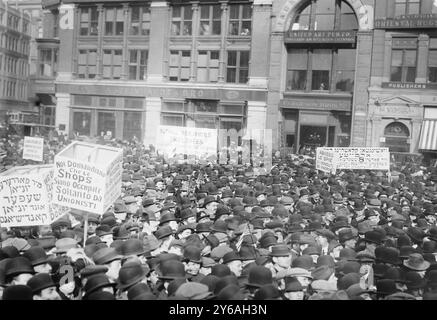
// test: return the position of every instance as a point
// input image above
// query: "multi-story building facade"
(127, 67)
(14, 60)
(403, 88)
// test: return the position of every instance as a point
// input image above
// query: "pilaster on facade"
(195, 32)
(100, 27)
(153, 119)
(63, 102)
(256, 115)
(66, 34)
(387, 57)
(224, 28)
(124, 59)
(422, 58)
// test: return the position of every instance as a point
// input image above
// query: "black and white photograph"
(221, 151)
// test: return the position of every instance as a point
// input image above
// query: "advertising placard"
(33, 148)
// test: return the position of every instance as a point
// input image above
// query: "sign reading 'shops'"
(87, 177)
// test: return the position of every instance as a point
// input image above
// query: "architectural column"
(159, 14)
(195, 32)
(387, 58)
(422, 58)
(125, 52)
(101, 32)
(416, 125)
(153, 120)
(361, 94)
(66, 47)
(224, 29)
(256, 115)
(261, 26)
(63, 102)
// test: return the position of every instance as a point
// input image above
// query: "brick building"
(14, 61)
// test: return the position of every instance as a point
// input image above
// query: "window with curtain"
(89, 21)
(210, 20)
(114, 21)
(139, 21)
(207, 66)
(112, 63)
(182, 17)
(179, 65)
(87, 63)
(240, 19)
(405, 7)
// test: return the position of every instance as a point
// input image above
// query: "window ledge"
(319, 94)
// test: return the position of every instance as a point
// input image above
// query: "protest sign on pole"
(25, 197)
(198, 142)
(87, 176)
(325, 160)
(357, 158)
(33, 148)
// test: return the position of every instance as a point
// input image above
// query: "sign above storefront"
(418, 21)
(306, 36)
(406, 85)
(315, 104)
(165, 92)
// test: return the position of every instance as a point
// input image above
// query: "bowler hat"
(221, 270)
(387, 255)
(192, 254)
(267, 292)
(208, 199)
(267, 240)
(97, 282)
(292, 285)
(167, 217)
(36, 255)
(416, 234)
(280, 250)
(258, 277)
(140, 291)
(130, 274)
(163, 232)
(17, 292)
(231, 256)
(373, 237)
(91, 270)
(40, 282)
(386, 286)
(133, 247)
(347, 280)
(414, 281)
(248, 253)
(171, 269)
(219, 226)
(304, 261)
(106, 255)
(345, 234)
(103, 230)
(17, 266)
(230, 292)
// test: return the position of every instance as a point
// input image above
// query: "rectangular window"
(179, 65)
(297, 69)
(208, 66)
(210, 20)
(114, 21)
(403, 65)
(237, 69)
(321, 69)
(55, 24)
(133, 103)
(139, 21)
(405, 7)
(89, 21)
(181, 24)
(82, 123)
(240, 20)
(87, 63)
(432, 66)
(105, 122)
(132, 125)
(168, 119)
(82, 100)
(112, 62)
(138, 64)
(45, 63)
(345, 73)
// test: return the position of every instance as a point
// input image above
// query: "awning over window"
(428, 136)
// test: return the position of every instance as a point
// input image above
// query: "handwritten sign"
(87, 177)
(33, 148)
(325, 160)
(25, 197)
(366, 158)
(199, 142)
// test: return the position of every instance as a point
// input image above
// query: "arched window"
(396, 137)
(325, 15)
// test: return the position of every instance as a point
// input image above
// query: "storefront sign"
(418, 21)
(87, 177)
(199, 142)
(403, 110)
(33, 148)
(360, 158)
(405, 85)
(312, 103)
(25, 194)
(166, 93)
(306, 36)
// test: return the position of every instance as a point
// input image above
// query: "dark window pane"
(232, 58)
(296, 79)
(396, 74)
(243, 76)
(320, 80)
(244, 59)
(132, 72)
(176, 12)
(231, 75)
(216, 27)
(345, 81)
(132, 125)
(432, 74)
(82, 123)
(324, 22)
(411, 74)
(188, 13)
(234, 11)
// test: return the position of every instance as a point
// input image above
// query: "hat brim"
(424, 266)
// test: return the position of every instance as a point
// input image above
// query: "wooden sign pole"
(85, 228)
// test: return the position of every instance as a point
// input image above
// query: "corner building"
(127, 67)
(320, 58)
(403, 88)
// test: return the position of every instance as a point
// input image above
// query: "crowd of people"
(206, 231)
